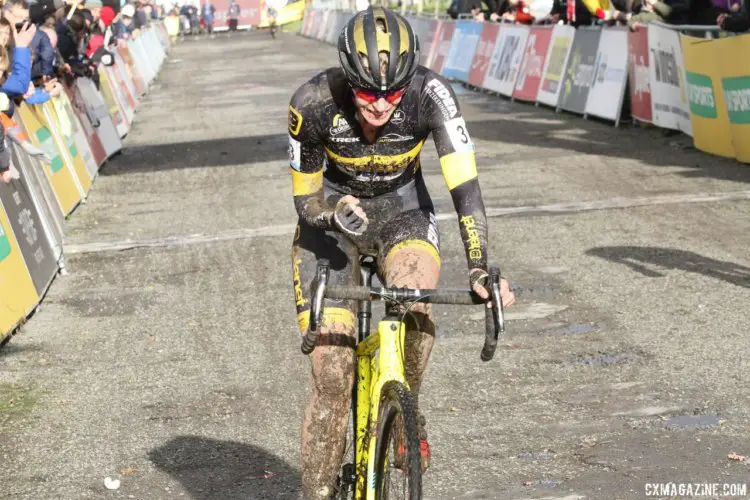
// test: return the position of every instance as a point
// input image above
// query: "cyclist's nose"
(381, 105)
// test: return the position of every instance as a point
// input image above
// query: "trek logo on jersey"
(442, 97)
(295, 121)
(295, 154)
(340, 125)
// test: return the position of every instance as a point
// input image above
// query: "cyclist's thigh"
(409, 254)
(310, 245)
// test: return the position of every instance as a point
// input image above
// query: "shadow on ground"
(653, 261)
(210, 469)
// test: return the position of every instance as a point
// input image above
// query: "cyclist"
(271, 12)
(355, 134)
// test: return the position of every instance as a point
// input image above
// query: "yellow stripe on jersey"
(304, 184)
(458, 168)
(399, 160)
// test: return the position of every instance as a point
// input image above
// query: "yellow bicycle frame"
(380, 359)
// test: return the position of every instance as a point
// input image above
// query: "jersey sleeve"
(306, 159)
(442, 117)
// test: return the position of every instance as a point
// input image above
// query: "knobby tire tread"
(395, 400)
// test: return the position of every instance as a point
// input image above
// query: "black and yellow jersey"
(326, 141)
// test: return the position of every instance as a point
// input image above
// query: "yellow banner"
(106, 90)
(17, 293)
(62, 132)
(290, 12)
(735, 88)
(711, 130)
(61, 178)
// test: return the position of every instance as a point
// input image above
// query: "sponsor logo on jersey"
(442, 97)
(295, 121)
(398, 117)
(474, 244)
(340, 125)
(393, 137)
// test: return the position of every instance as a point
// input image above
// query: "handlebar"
(494, 319)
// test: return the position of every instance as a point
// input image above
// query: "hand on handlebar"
(478, 279)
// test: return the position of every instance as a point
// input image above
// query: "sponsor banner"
(124, 72)
(313, 15)
(429, 42)
(138, 81)
(420, 26)
(113, 108)
(610, 76)
(33, 243)
(443, 46)
(735, 90)
(119, 93)
(249, 14)
(532, 63)
(320, 33)
(506, 59)
(669, 101)
(483, 54)
(17, 293)
(640, 86)
(61, 177)
(78, 106)
(336, 24)
(464, 45)
(710, 122)
(99, 114)
(72, 128)
(62, 133)
(580, 71)
(554, 66)
(127, 98)
(32, 170)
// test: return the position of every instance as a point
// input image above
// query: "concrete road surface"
(169, 359)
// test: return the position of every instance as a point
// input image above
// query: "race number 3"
(459, 135)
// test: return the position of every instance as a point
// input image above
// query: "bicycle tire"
(397, 401)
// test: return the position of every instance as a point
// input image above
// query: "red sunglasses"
(372, 95)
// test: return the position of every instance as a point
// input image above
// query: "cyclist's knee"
(412, 264)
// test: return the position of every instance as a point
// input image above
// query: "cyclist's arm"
(456, 151)
(306, 157)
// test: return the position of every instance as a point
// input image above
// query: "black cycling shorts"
(401, 219)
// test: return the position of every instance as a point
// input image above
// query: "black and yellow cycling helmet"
(378, 38)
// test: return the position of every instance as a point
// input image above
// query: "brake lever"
(318, 289)
(494, 317)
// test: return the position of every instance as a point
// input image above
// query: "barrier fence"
(57, 149)
(699, 85)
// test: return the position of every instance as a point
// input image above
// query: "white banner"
(321, 23)
(557, 59)
(669, 101)
(611, 73)
(506, 59)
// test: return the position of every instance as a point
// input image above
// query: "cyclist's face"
(376, 113)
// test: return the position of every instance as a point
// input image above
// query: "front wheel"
(398, 468)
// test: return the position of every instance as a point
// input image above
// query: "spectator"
(233, 15)
(668, 11)
(518, 12)
(208, 17)
(125, 26)
(558, 13)
(736, 22)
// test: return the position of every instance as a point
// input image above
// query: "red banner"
(532, 65)
(249, 14)
(483, 54)
(640, 89)
(443, 46)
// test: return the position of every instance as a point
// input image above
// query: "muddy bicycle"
(383, 441)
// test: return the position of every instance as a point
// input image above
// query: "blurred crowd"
(195, 20)
(727, 14)
(50, 42)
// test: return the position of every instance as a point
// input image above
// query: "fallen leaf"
(734, 456)
(152, 339)
(454, 408)
(127, 471)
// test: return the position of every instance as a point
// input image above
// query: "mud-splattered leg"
(325, 424)
(415, 267)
